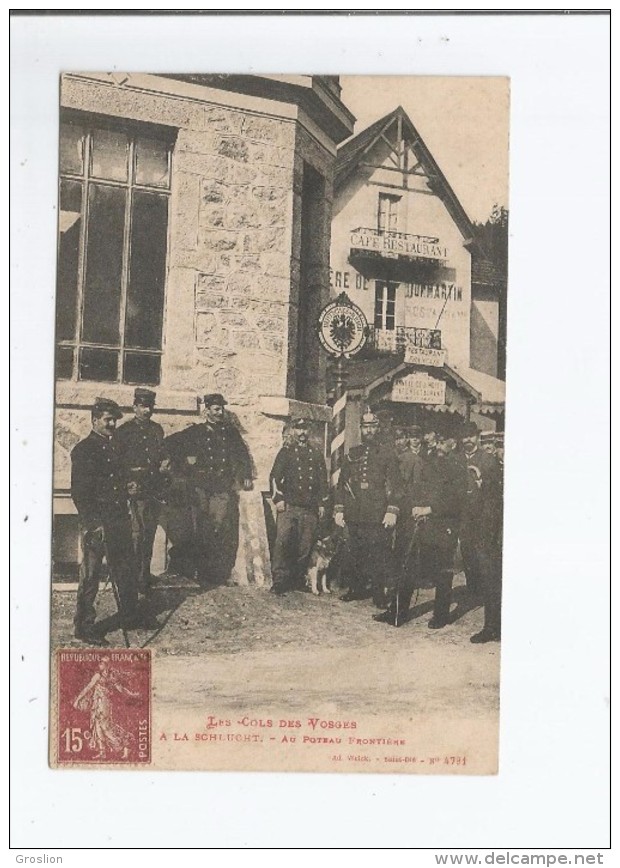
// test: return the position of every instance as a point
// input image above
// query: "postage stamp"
(103, 708)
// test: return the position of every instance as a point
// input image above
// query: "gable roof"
(351, 152)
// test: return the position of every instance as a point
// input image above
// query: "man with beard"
(434, 511)
(214, 463)
(298, 485)
(367, 504)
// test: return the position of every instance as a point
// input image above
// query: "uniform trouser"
(296, 528)
(178, 520)
(491, 587)
(427, 565)
(118, 552)
(217, 535)
(144, 514)
(370, 558)
(469, 538)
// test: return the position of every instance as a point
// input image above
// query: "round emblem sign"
(343, 328)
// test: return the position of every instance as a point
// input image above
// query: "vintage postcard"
(279, 422)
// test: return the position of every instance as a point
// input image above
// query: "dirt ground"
(304, 650)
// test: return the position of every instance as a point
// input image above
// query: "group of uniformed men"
(125, 481)
(401, 506)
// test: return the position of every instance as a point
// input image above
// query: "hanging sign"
(424, 356)
(343, 328)
(419, 388)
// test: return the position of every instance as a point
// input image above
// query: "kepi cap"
(415, 431)
(144, 396)
(214, 398)
(106, 405)
(370, 419)
(300, 422)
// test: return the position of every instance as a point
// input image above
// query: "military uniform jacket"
(443, 487)
(369, 484)
(141, 445)
(299, 476)
(483, 504)
(211, 457)
(98, 483)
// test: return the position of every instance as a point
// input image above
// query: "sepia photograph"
(308, 417)
(279, 422)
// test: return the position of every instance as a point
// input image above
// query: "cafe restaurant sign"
(398, 244)
(419, 388)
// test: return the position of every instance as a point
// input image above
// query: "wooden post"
(339, 410)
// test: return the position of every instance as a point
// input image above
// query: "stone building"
(194, 228)
(405, 251)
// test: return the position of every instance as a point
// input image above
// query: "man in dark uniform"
(410, 464)
(483, 490)
(215, 464)
(140, 441)
(416, 443)
(430, 443)
(367, 504)
(298, 485)
(483, 531)
(99, 491)
(432, 523)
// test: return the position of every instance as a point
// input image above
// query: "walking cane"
(413, 543)
(117, 596)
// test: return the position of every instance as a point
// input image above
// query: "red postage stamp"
(103, 707)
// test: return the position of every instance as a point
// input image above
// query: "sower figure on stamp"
(367, 504)
(298, 485)
(434, 511)
(217, 464)
(99, 491)
(140, 441)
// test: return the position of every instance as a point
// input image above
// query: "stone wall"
(233, 281)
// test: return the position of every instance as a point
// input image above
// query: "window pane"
(104, 262)
(64, 363)
(69, 229)
(391, 293)
(147, 271)
(71, 149)
(389, 323)
(100, 365)
(152, 163)
(140, 368)
(109, 155)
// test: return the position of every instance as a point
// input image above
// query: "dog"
(321, 556)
